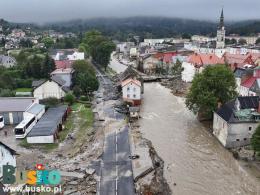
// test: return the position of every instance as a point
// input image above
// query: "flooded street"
(194, 159)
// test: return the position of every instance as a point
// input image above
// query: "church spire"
(221, 22)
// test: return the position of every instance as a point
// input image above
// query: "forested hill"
(150, 27)
(155, 27)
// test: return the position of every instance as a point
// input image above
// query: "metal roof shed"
(45, 130)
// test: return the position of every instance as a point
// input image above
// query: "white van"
(2, 122)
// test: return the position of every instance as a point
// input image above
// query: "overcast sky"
(59, 10)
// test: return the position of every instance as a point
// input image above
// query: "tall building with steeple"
(221, 33)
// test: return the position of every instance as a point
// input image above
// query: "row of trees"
(85, 81)
(98, 46)
(32, 64)
(35, 63)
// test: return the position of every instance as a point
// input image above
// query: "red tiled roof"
(125, 82)
(249, 82)
(237, 58)
(254, 56)
(63, 64)
(204, 59)
(166, 57)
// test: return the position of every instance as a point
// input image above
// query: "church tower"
(221, 32)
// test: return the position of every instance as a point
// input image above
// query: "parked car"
(2, 122)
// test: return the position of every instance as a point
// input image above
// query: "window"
(128, 95)
(245, 139)
(128, 88)
(134, 96)
(238, 140)
(249, 128)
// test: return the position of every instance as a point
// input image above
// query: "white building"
(7, 157)
(132, 91)
(76, 56)
(7, 61)
(235, 122)
(13, 108)
(50, 88)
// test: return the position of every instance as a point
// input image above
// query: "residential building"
(55, 87)
(13, 108)
(131, 89)
(7, 61)
(235, 122)
(7, 157)
(76, 56)
(65, 74)
(195, 63)
(237, 60)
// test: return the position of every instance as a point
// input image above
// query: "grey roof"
(58, 80)
(36, 109)
(227, 111)
(38, 83)
(49, 122)
(15, 104)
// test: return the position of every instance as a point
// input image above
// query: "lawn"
(23, 90)
(45, 147)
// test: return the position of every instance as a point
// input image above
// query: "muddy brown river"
(194, 159)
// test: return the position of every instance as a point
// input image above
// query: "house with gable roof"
(235, 122)
(54, 87)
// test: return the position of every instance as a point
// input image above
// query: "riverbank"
(190, 152)
(243, 154)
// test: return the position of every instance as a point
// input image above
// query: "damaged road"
(115, 171)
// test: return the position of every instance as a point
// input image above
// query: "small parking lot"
(7, 136)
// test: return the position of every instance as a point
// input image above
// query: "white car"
(2, 124)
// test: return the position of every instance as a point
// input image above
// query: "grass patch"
(23, 90)
(86, 120)
(45, 147)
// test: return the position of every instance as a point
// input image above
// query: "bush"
(83, 98)
(70, 98)
(6, 93)
(50, 102)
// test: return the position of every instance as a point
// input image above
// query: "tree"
(99, 47)
(48, 42)
(255, 141)
(84, 78)
(186, 36)
(257, 41)
(176, 71)
(216, 84)
(70, 98)
(48, 65)
(242, 41)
